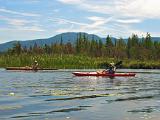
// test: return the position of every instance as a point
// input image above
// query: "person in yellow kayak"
(35, 65)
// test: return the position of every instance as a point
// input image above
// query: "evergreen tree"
(129, 48)
(148, 42)
(17, 48)
(47, 49)
(120, 51)
(109, 46)
(109, 42)
(77, 47)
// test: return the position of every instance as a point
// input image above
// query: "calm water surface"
(59, 95)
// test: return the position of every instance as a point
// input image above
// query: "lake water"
(59, 95)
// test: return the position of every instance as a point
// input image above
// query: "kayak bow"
(104, 74)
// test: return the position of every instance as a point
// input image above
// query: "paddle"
(106, 65)
(118, 63)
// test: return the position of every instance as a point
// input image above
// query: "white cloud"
(18, 13)
(139, 8)
(101, 17)
(31, 28)
(100, 26)
(20, 29)
(71, 1)
(118, 15)
(21, 24)
(66, 21)
(33, 1)
(96, 25)
(56, 10)
(120, 8)
(93, 23)
(129, 21)
(16, 22)
(98, 21)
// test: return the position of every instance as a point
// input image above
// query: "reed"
(71, 61)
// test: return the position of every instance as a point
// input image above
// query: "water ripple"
(59, 94)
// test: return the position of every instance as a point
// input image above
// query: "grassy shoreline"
(73, 62)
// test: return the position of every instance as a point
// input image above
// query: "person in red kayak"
(35, 65)
(112, 68)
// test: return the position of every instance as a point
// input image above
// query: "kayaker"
(112, 68)
(35, 65)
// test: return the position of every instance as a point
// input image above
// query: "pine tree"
(128, 48)
(17, 48)
(109, 46)
(148, 42)
(109, 42)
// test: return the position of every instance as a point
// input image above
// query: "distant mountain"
(66, 37)
(156, 38)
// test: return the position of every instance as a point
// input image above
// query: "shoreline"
(75, 62)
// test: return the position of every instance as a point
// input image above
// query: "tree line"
(134, 48)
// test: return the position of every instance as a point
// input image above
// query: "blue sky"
(33, 19)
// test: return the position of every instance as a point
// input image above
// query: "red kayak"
(28, 68)
(104, 74)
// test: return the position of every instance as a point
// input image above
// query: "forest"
(135, 52)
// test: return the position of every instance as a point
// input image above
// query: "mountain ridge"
(66, 37)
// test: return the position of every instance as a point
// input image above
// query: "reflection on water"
(60, 95)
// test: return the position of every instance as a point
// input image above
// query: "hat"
(112, 63)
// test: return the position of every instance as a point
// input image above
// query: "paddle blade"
(104, 65)
(118, 64)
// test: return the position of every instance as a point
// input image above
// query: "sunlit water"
(59, 95)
